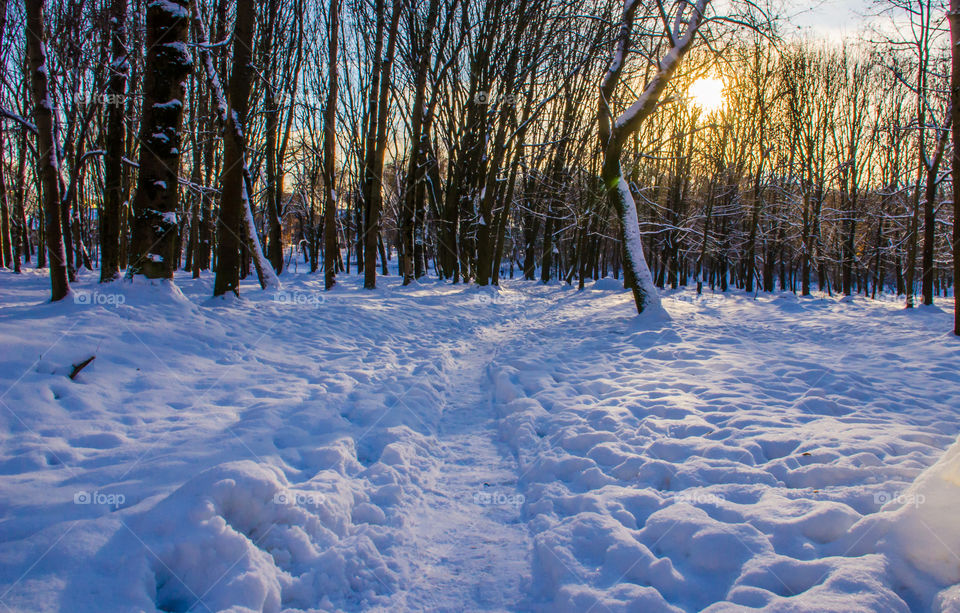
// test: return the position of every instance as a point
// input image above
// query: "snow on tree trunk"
(265, 273)
(233, 222)
(614, 133)
(231, 131)
(49, 163)
(155, 223)
(645, 293)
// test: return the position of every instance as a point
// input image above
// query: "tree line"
(472, 139)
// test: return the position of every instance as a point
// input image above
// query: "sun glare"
(707, 93)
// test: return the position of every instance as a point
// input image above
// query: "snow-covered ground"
(443, 447)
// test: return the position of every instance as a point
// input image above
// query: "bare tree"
(113, 190)
(615, 130)
(154, 246)
(234, 191)
(47, 149)
(330, 245)
(954, 16)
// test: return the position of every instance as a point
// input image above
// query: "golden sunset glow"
(708, 94)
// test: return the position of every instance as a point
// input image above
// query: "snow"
(170, 105)
(176, 11)
(634, 245)
(448, 447)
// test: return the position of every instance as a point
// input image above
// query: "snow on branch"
(7, 114)
(630, 120)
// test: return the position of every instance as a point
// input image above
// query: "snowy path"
(447, 448)
(468, 543)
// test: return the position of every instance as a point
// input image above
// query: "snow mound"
(237, 536)
(921, 534)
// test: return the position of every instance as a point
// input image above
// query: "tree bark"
(233, 188)
(954, 17)
(48, 159)
(115, 135)
(154, 244)
(330, 245)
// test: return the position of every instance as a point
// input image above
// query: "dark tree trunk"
(115, 136)
(954, 17)
(49, 163)
(6, 242)
(22, 239)
(419, 150)
(929, 217)
(330, 247)
(271, 126)
(372, 231)
(233, 187)
(168, 62)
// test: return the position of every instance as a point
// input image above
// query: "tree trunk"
(49, 163)
(954, 17)
(115, 136)
(271, 126)
(330, 247)
(233, 183)
(22, 239)
(6, 241)
(372, 230)
(419, 148)
(614, 132)
(154, 244)
(929, 214)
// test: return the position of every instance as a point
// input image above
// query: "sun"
(708, 94)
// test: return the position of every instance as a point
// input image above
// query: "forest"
(479, 305)
(473, 140)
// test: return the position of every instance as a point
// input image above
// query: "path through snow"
(468, 543)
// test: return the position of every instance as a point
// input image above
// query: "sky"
(828, 18)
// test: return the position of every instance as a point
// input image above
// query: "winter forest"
(479, 305)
